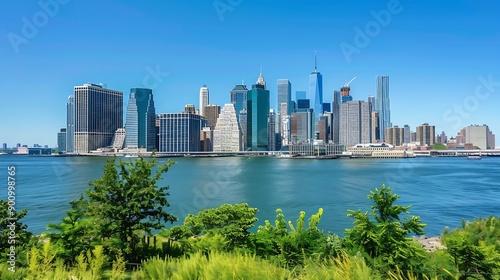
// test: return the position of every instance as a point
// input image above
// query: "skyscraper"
(284, 96)
(375, 134)
(98, 114)
(61, 141)
(258, 100)
(316, 90)
(426, 134)
(239, 98)
(211, 113)
(180, 132)
(383, 104)
(243, 127)
(336, 116)
(354, 123)
(406, 134)
(271, 130)
(140, 125)
(70, 124)
(203, 99)
(394, 135)
(301, 126)
(227, 135)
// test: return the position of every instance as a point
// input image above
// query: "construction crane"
(347, 84)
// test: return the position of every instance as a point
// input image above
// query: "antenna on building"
(242, 82)
(315, 61)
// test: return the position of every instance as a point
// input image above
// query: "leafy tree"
(439, 146)
(383, 234)
(229, 221)
(10, 223)
(127, 201)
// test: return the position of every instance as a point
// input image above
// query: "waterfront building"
(354, 123)
(406, 134)
(336, 116)
(239, 99)
(375, 133)
(394, 135)
(442, 138)
(379, 150)
(315, 149)
(4, 146)
(140, 125)
(61, 141)
(316, 90)
(426, 134)
(243, 127)
(119, 139)
(285, 131)
(383, 103)
(301, 126)
(258, 105)
(70, 125)
(271, 130)
(322, 129)
(203, 99)
(206, 139)
(180, 132)
(413, 137)
(479, 136)
(98, 114)
(227, 134)
(211, 113)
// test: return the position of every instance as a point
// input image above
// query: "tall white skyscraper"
(203, 98)
(383, 104)
(227, 135)
(70, 125)
(354, 123)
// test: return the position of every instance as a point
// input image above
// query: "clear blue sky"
(433, 51)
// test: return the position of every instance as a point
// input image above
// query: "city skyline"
(450, 83)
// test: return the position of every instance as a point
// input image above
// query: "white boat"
(131, 156)
(2, 153)
(474, 157)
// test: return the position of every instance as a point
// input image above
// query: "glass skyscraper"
(239, 98)
(98, 114)
(383, 104)
(180, 132)
(316, 91)
(140, 126)
(284, 96)
(70, 124)
(258, 104)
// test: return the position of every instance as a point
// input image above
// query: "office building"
(480, 136)
(140, 125)
(301, 126)
(70, 125)
(61, 141)
(303, 104)
(394, 135)
(227, 134)
(336, 116)
(98, 114)
(271, 130)
(180, 132)
(285, 131)
(426, 134)
(284, 96)
(239, 98)
(375, 133)
(383, 103)
(206, 139)
(406, 134)
(4, 146)
(354, 123)
(190, 109)
(118, 139)
(345, 91)
(211, 113)
(322, 129)
(203, 99)
(316, 90)
(243, 127)
(258, 103)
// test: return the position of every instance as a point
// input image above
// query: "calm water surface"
(443, 191)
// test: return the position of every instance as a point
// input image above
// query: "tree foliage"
(10, 222)
(383, 232)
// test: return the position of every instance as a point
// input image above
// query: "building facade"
(383, 104)
(61, 141)
(271, 130)
(211, 113)
(316, 91)
(258, 103)
(227, 134)
(239, 99)
(140, 125)
(70, 125)
(354, 123)
(203, 99)
(301, 126)
(394, 135)
(180, 132)
(425, 134)
(98, 114)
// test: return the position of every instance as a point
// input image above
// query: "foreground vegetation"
(108, 235)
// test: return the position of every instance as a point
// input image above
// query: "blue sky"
(442, 56)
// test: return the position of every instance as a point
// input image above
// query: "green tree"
(127, 201)
(439, 146)
(229, 221)
(383, 233)
(10, 223)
